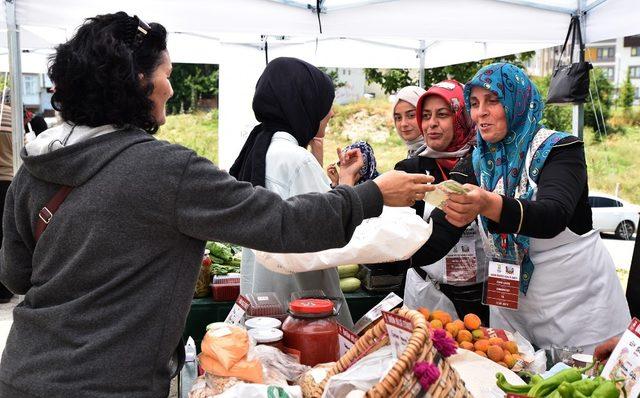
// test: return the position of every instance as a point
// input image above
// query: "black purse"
(570, 83)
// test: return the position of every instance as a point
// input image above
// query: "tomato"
(206, 261)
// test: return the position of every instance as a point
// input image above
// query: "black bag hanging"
(570, 83)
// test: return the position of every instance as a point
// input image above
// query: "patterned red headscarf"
(453, 93)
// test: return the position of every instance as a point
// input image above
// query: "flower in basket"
(427, 374)
(443, 343)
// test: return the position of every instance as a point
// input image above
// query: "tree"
(333, 74)
(555, 117)
(627, 94)
(393, 80)
(192, 82)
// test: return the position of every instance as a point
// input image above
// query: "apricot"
(472, 321)
(510, 346)
(459, 324)
(464, 335)
(478, 334)
(452, 329)
(496, 341)
(436, 324)
(509, 360)
(495, 353)
(425, 312)
(481, 353)
(481, 345)
(444, 317)
(467, 345)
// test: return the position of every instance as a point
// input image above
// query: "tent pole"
(577, 120)
(17, 125)
(421, 54)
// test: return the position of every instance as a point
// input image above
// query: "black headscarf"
(292, 96)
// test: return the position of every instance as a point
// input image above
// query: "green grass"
(614, 160)
(198, 131)
(610, 161)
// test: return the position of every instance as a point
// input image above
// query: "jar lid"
(262, 322)
(266, 335)
(311, 306)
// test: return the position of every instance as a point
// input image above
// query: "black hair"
(96, 73)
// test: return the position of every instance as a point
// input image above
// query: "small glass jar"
(271, 337)
(311, 328)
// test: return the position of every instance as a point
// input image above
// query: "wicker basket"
(401, 381)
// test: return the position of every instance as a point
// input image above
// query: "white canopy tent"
(355, 33)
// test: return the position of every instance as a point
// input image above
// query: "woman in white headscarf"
(404, 117)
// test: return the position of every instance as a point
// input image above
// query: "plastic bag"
(424, 293)
(479, 374)
(273, 358)
(395, 235)
(226, 343)
(363, 375)
(246, 390)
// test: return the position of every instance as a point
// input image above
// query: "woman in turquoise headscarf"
(529, 186)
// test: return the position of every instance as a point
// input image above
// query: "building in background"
(37, 92)
(615, 57)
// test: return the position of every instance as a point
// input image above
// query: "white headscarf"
(410, 94)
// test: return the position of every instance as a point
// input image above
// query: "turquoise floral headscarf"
(499, 167)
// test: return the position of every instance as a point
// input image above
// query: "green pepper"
(535, 379)
(607, 389)
(566, 390)
(587, 386)
(505, 386)
(554, 394)
(547, 386)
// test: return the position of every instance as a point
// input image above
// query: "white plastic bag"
(395, 235)
(421, 293)
(362, 376)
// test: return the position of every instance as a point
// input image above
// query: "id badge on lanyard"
(502, 283)
(461, 263)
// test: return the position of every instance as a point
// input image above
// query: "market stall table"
(205, 311)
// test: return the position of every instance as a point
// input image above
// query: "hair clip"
(140, 33)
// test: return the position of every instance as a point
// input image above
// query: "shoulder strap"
(46, 213)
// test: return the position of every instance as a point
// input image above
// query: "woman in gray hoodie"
(108, 284)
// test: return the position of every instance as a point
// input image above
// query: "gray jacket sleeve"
(212, 205)
(15, 257)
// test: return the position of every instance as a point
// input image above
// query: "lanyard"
(444, 175)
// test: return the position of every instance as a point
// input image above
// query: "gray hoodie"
(109, 284)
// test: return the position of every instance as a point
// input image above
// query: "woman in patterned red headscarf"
(448, 137)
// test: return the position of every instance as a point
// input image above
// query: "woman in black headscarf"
(292, 102)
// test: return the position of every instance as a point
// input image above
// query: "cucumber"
(348, 271)
(348, 285)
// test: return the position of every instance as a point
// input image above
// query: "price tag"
(624, 361)
(503, 285)
(346, 339)
(399, 329)
(236, 315)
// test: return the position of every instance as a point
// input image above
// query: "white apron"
(426, 293)
(574, 297)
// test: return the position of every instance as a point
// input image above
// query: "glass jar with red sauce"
(311, 328)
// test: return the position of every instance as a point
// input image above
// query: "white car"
(614, 215)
